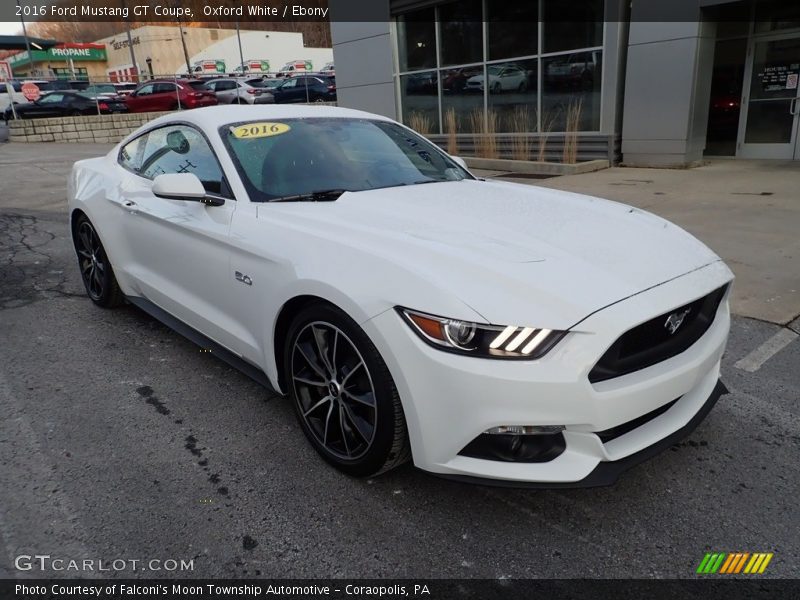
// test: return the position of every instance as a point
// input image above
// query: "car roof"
(214, 117)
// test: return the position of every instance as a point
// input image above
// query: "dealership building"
(645, 82)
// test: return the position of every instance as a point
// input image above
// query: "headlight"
(476, 339)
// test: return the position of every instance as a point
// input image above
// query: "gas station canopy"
(17, 42)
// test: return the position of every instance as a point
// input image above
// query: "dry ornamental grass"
(573, 125)
(451, 128)
(520, 125)
(420, 122)
(484, 128)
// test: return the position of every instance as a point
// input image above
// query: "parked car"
(422, 83)
(502, 78)
(63, 104)
(237, 91)
(264, 83)
(16, 96)
(159, 95)
(486, 330)
(455, 80)
(125, 88)
(76, 85)
(576, 70)
(101, 89)
(306, 88)
(328, 69)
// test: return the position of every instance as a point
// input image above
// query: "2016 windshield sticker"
(259, 130)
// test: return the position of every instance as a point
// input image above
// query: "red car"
(160, 95)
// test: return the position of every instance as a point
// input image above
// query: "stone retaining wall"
(88, 129)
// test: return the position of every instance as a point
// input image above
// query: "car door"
(288, 91)
(165, 97)
(226, 91)
(177, 253)
(138, 99)
(49, 105)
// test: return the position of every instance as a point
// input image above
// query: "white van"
(11, 91)
(294, 67)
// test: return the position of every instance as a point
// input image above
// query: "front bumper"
(607, 473)
(449, 399)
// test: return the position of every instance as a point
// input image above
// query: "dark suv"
(306, 88)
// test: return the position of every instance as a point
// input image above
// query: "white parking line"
(753, 361)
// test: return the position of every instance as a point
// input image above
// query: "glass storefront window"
(574, 24)
(461, 96)
(513, 28)
(530, 74)
(571, 86)
(513, 95)
(460, 32)
(776, 15)
(417, 40)
(419, 93)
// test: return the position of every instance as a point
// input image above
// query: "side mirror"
(460, 162)
(184, 186)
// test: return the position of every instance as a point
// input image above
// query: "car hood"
(513, 253)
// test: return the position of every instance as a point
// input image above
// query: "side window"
(130, 156)
(290, 83)
(145, 90)
(181, 149)
(51, 98)
(164, 88)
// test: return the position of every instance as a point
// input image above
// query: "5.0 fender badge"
(243, 278)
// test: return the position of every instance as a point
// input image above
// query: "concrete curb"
(535, 167)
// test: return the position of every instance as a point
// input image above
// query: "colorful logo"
(732, 563)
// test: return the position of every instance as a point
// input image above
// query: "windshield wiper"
(318, 196)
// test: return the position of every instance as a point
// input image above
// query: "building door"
(768, 127)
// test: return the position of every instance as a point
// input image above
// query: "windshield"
(289, 157)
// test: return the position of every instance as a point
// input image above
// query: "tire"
(95, 268)
(335, 376)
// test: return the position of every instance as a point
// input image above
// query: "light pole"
(241, 54)
(27, 42)
(183, 43)
(130, 46)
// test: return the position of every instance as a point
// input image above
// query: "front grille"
(652, 342)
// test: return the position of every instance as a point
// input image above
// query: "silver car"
(235, 91)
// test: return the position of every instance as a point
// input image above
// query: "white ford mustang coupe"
(488, 331)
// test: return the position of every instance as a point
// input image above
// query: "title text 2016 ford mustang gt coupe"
(485, 330)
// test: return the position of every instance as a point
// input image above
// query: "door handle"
(130, 206)
(793, 106)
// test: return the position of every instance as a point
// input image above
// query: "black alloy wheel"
(343, 394)
(96, 272)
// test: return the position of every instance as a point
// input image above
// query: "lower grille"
(656, 340)
(620, 430)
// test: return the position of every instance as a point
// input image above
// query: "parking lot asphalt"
(121, 440)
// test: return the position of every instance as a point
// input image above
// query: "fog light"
(535, 445)
(525, 430)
